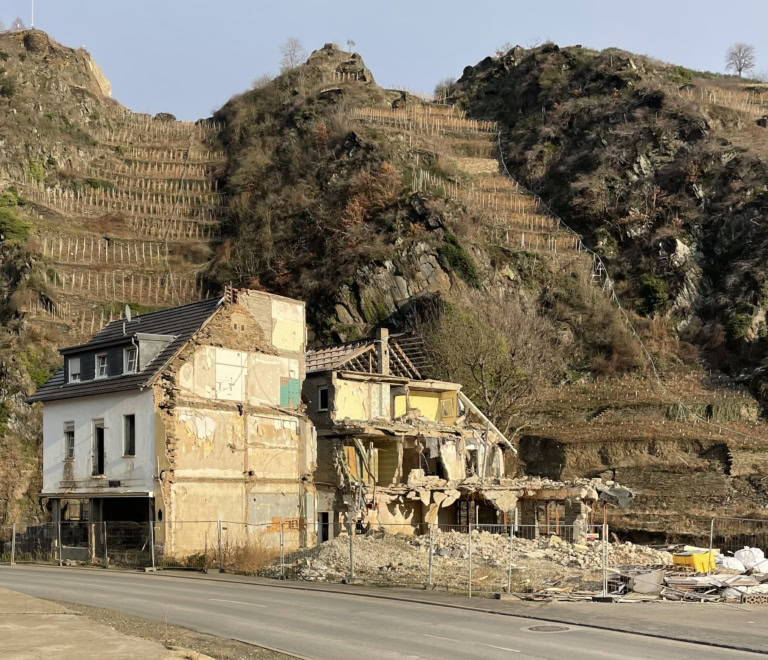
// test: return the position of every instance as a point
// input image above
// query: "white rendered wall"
(134, 473)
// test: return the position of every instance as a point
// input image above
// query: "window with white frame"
(101, 365)
(130, 360)
(322, 398)
(69, 441)
(73, 364)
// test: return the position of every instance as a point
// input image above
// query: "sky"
(188, 57)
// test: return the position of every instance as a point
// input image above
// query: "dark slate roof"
(179, 322)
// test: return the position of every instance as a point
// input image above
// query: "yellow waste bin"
(698, 562)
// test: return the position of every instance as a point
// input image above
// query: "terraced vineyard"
(136, 227)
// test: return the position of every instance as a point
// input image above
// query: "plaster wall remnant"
(239, 448)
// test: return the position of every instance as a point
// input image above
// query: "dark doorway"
(98, 449)
(323, 533)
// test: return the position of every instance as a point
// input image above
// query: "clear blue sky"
(189, 56)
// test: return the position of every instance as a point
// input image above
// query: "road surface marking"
(464, 641)
(239, 602)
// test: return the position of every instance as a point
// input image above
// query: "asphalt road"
(337, 626)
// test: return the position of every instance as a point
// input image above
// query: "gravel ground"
(219, 648)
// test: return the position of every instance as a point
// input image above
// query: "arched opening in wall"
(160, 515)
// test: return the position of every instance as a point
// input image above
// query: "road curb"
(422, 601)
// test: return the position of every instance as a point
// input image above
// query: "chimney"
(382, 350)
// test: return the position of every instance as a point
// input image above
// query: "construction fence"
(577, 562)
(473, 559)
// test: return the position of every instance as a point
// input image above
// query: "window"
(69, 441)
(101, 365)
(130, 360)
(129, 435)
(322, 398)
(74, 369)
(99, 458)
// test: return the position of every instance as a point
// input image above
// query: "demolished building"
(397, 450)
(183, 418)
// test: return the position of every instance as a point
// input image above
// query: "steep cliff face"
(662, 169)
(51, 95)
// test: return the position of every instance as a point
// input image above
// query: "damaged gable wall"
(233, 440)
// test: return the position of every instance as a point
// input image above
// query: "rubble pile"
(397, 559)
(742, 577)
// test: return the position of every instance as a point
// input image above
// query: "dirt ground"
(219, 648)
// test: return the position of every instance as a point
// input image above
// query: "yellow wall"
(350, 399)
(427, 402)
(400, 405)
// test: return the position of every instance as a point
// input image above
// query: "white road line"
(239, 602)
(465, 641)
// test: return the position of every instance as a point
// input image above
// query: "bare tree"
(351, 44)
(502, 50)
(262, 81)
(740, 57)
(2, 27)
(293, 54)
(18, 24)
(501, 353)
(443, 88)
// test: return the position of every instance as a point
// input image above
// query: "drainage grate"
(548, 628)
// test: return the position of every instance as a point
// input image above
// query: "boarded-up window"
(230, 375)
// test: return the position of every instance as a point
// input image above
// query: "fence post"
(58, 532)
(221, 556)
(106, 552)
(509, 571)
(152, 541)
(605, 558)
(711, 542)
(282, 555)
(469, 541)
(13, 545)
(431, 551)
(350, 529)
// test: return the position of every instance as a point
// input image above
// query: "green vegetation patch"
(35, 170)
(460, 260)
(738, 325)
(98, 184)
(655, 293)
(12, 227)
(37, 370)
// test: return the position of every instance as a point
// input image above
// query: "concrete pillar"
(382, 350)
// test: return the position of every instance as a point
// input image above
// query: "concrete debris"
(381, 558)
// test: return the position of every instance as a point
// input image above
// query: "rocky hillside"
(371, 204)
(663, 172)
(99, 208)
(377, 207)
